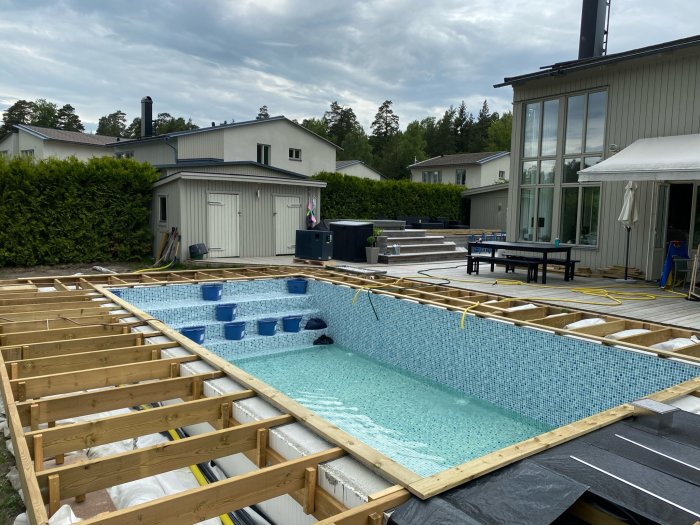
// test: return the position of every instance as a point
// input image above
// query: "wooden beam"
(360, 515)
(88, 344)
(61, 334)
(108, 471)
(76, 436)
(649, 338)
(526, 315)
(558, 320)
(195, 505)
(41, 315)
(450, 478)
(41, 386)
(309, 505)
(46, 298)
(85, 403)
(603, 329)
(49, 306)
(52, 324)
(261, 448)
(72, 362)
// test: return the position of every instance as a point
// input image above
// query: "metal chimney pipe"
(146, 117)
(592, 36)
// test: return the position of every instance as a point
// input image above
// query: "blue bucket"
(296, 285)
(117, 291)
(291, 323)
(212, 291)
(267, 326)
(226, 312)
(234, 331)
(196, 333)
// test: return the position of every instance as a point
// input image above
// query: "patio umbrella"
(628, 216)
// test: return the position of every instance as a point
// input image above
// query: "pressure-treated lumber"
(86, 434)
(8, 327)
(58, 334)
(50, 306)
(113, 398)
(47, 313)
(88, 344)
(241, 491)
(359, 515)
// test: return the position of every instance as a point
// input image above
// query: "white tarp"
(661, 158)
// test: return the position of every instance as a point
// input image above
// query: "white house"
(357, 168)
(42, 143)
(471, 170)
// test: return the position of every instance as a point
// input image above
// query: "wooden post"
(22, 391)
(261, 456)
(309, 490)
(14, 370)
(174, 370)
(197, 386)
(376, 518)
(34, 416)
(38, 452)
(225, 415)
(58, 458)
(54, 494)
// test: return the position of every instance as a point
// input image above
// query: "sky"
(216, 60)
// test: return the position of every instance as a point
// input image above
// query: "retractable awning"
(662, 158)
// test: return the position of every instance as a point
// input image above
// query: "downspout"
(165, 139)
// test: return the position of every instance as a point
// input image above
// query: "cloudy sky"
(216, 60)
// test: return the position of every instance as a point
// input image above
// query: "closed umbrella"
(628, 216)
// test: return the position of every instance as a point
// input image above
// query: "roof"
(461, 159)
(75, 137)
(503, 186)
(341, 165)
(661, 158)
(229, 126)
(562, 68)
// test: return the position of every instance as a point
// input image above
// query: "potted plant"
(372, 250)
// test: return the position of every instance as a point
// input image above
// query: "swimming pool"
(544, 379)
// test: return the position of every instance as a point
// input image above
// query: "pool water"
(420, 424)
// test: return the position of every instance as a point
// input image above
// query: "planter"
(372, 253)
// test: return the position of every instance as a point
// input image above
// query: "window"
(461, 177)
(294, 154)
(124, 155)
(501, 175)
(432, 176)
(3, 153)
(263, 154)
(538, 170)
(162, 208)
(27, 152)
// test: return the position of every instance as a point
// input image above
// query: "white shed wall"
(361, 171)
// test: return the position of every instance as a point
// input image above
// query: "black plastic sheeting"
(630, 463)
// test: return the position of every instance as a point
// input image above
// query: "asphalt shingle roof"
(458, 159)
(69, 136)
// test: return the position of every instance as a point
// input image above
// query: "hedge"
(352, 197)
(67, 211)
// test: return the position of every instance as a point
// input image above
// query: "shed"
(488, 207)
(238, 209)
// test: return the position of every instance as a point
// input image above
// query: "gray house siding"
(488, 211)
(650, 97)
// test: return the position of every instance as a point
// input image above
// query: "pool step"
(255, 345)
(215, 329)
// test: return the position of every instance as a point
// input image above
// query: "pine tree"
(263, 114)
(113, 125)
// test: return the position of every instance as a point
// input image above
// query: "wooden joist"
(61, 334)
(74, 346)
(8, 327)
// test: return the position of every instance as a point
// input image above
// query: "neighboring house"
(471, 170)
(487, 207)
(573, 117)
(357, 168)
(277, 142)
(42, 143)
(242, 189)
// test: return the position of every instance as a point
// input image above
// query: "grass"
(10, 503)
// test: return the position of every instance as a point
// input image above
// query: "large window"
(538, 170)
(263, 154)
(551, 159)
(434, 176)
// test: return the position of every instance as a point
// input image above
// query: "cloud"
(222, 59)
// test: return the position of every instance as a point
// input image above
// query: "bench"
(568, 270)
(509, 262)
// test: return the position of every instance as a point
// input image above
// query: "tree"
(464, 129)
(317, 125)
(340, 121)
(356, 147)
(113, 125)
(481, 128)
(384, 126)
(166, 123)
(18, 113)
(44, 113)
(134, 129)
(67, 119)
(499, 133)
(444, 133)
(262, 114)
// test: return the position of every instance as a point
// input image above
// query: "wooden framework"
(56, 345)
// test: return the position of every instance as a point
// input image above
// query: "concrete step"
(427, 248)
(404, 233)
(424, 257)
(428, 239)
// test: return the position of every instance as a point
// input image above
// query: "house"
(573, 120)
(357, 168)
(42, 143)
(471, 170)
(487, 207)
(242, 189)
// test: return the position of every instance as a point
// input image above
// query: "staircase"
(415, 246)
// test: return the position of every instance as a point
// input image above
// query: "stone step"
(424, 257)
(404, 233)
(426, 248)
(428, 239)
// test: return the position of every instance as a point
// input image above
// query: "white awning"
(661, 158)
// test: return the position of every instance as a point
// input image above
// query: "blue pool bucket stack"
(226, 312)
(296, 286)
(212, 291)
(291, 323)
(195, 333)
(267, 326)
(235, 330)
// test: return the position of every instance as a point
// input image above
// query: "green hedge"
(352, 197)
(63, 211)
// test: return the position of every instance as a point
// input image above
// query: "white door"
(287, 222)
(660, 222)
(222, 224)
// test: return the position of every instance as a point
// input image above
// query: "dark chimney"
(592, 40)
(146, 117)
